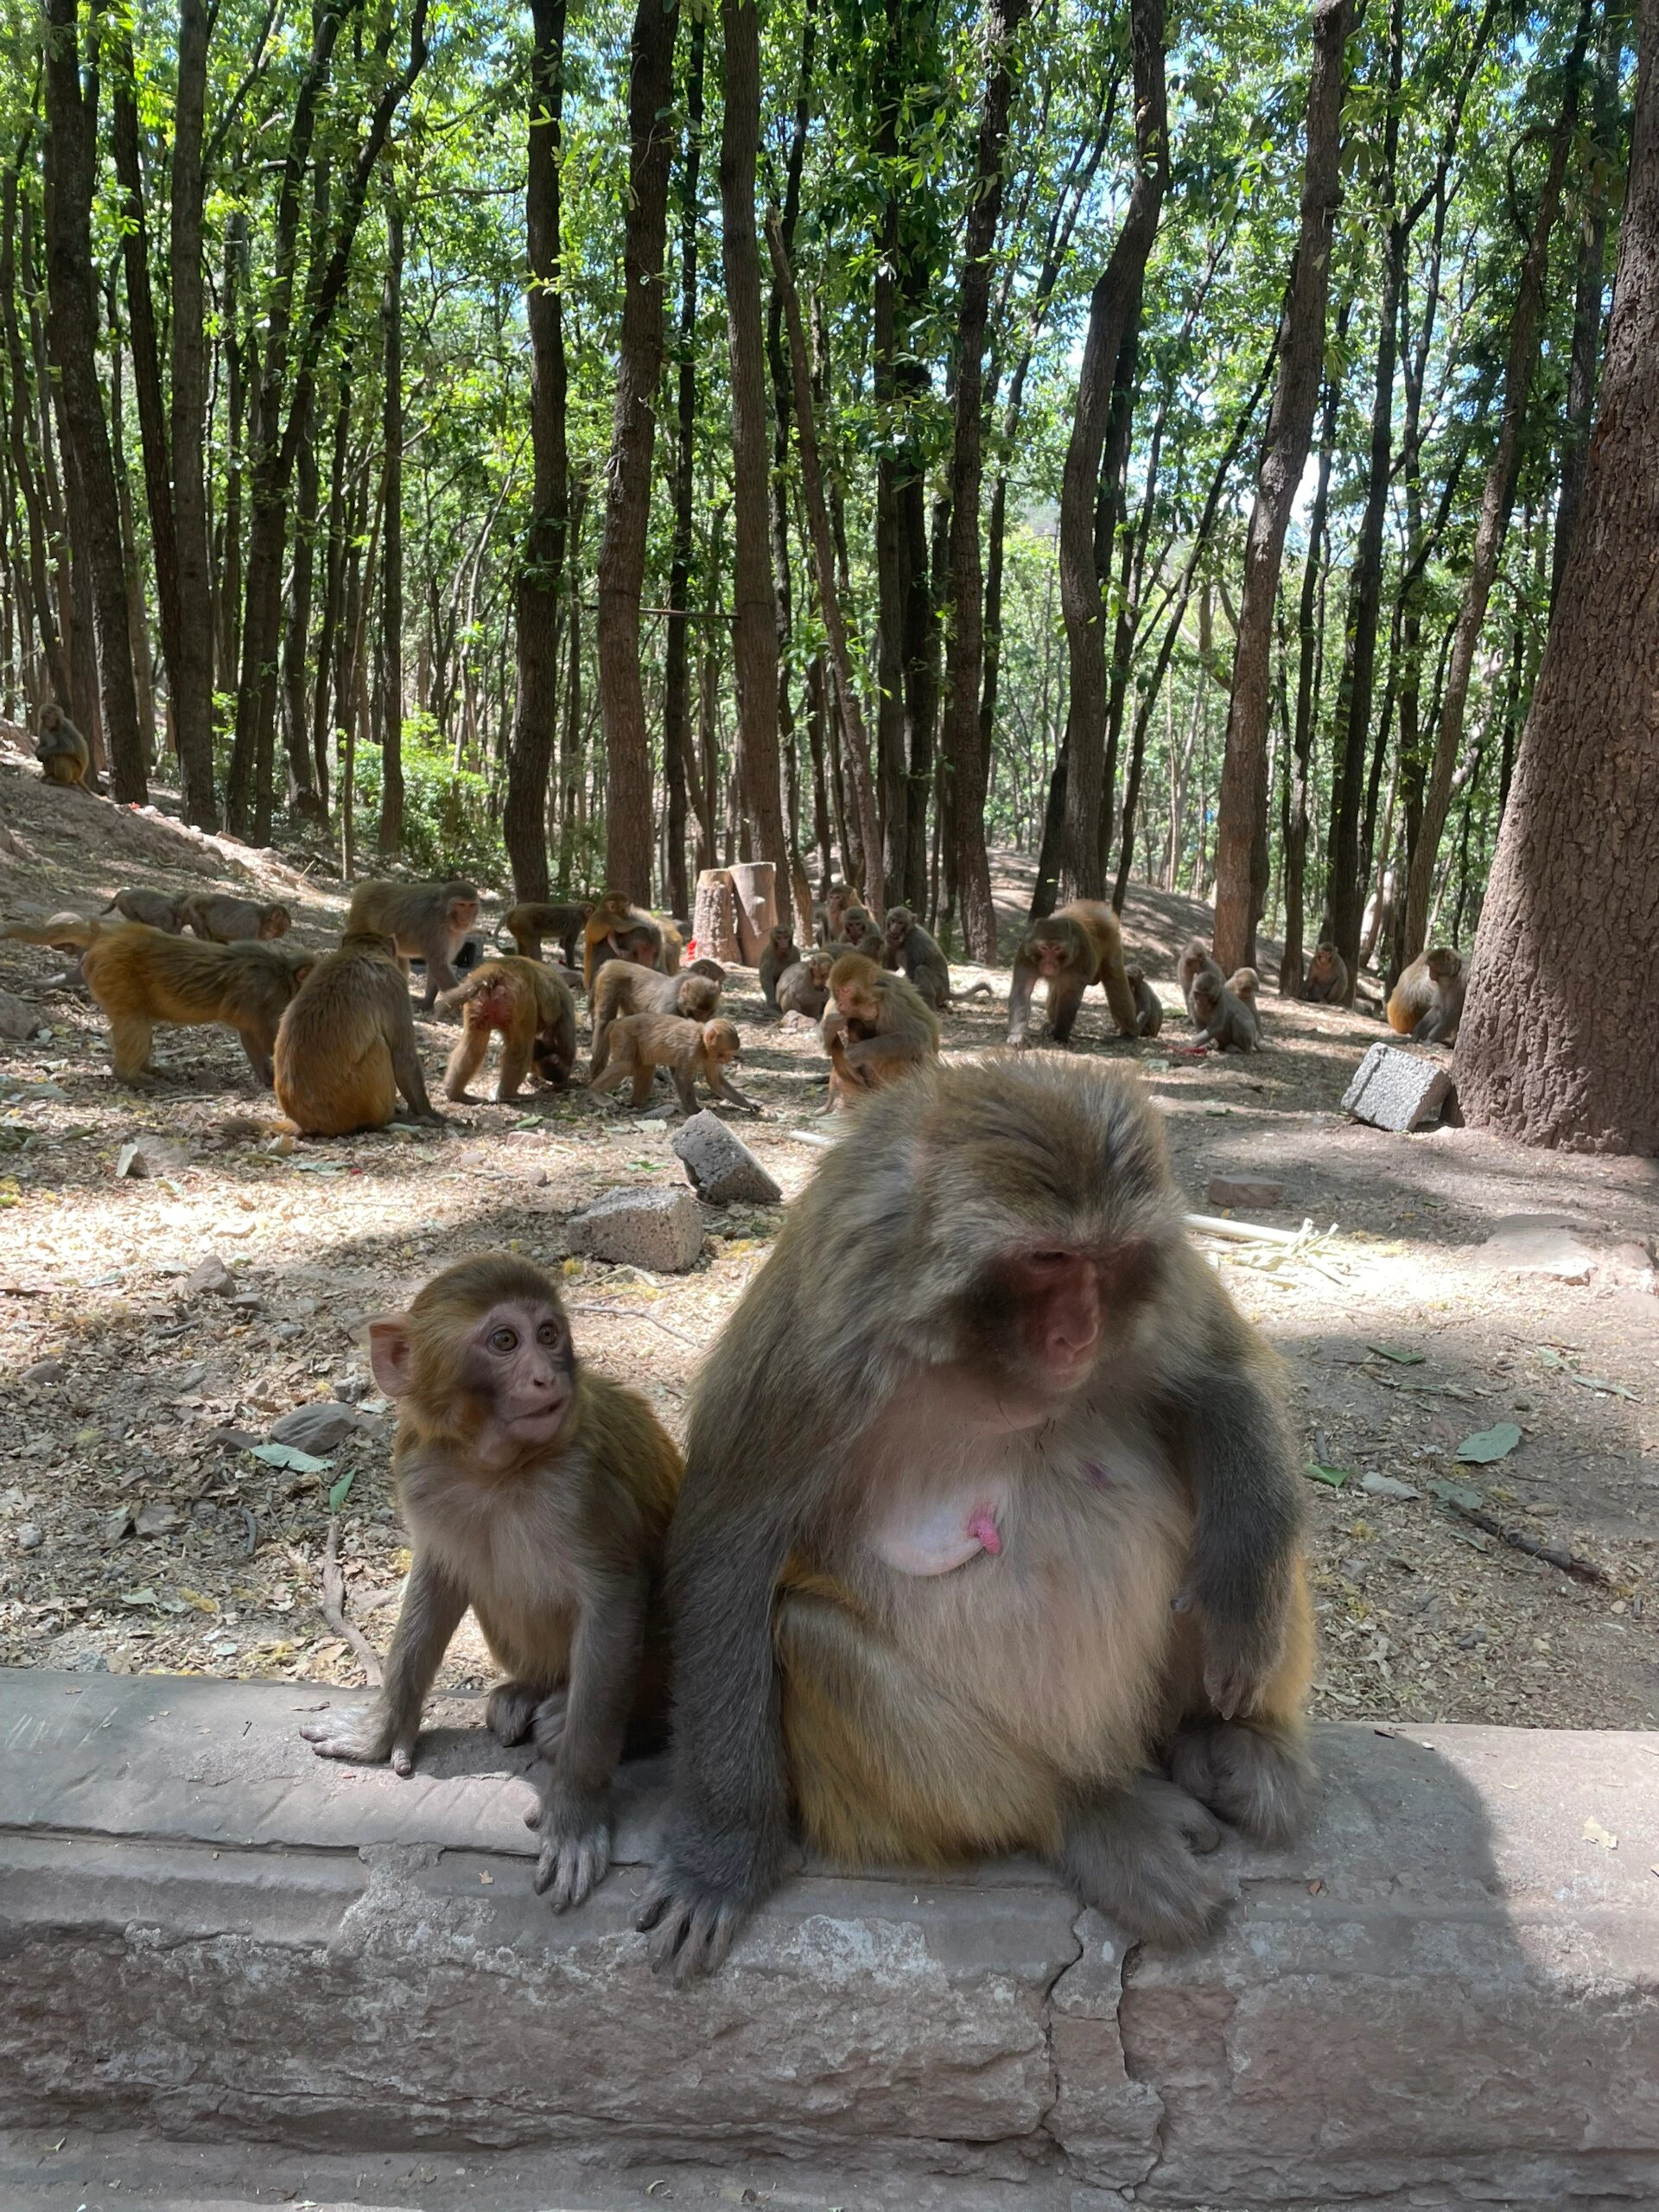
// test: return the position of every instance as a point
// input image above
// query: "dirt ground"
(138, 1530)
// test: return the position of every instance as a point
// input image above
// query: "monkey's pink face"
(462, 913)
(519, 1359)
(1050, 958)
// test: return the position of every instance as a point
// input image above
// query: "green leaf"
(139, 1598)
(1333, 1477)
(1457, 1494)
(341, 1490)
(1400, 1358)
(1488, 1444)
(286, 1455)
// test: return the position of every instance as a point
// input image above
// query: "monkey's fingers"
(570, 1867)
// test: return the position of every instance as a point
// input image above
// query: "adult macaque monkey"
(882, 1028)
(140, 976)
(222, 920)
(693, 1052)
(151, 908)
(1326, 981)
(536, 1014)
(63, 753)
(859, 932)
(1196, 960)
(1149, 1007)
(1225, 1020)
(910, 948)
(426, 921)
(347, 1046)
(1075, 946)
(779, 952)
(616, 931)
(527, 924)
(622, 987)
(958, 1568)
(804, 988)
(826, 917)
(538, 1494)
(1427, 1003)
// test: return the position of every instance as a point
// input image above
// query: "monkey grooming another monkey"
(536, 1014)
(909, 947)
(1077, 946)
(1326, 982)
(779, 952)
(804, 988)
(149, 907)
(1064, 1554)
(1427, 1003)
(220, 920)
(528, 924)
(882, 1028)
(426, 921)
(1149, 1007)
(63, 753)
(347, 1046)
(637, 1044)
(859, 932)
(1225, 1019)
(537, 1493)
(617, 931)
(622, 987)
(1196, 960)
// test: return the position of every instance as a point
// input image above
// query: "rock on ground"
(661, 1231)
(1397, 1091)
(721, 1167)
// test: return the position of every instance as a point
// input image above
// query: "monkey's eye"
(548, 1333)
(504, 1340)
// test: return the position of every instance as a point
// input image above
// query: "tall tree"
(391, 835)
(1556, 1043)
(679, 768)
(1110, 308)
(1241, 815)
(628, 812)
(190, 684)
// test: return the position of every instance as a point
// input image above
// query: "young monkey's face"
(514, 1369)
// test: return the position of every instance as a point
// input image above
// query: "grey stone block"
(323, 1426)
(658, 1229)
(1396, 1090)
(720, 1165)
(1243, 1191)
(17, 1019)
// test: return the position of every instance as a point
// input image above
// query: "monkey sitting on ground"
(1149, 1007)
(881, 1028)
(1245, 983)
(426, 921)
(1427, 1003)
(616, 931)
(1063, 1559)
(140, 975)
(528, 924)
(534, 1014)
(804, 988)
(1326, 982)
(637, 1044)
(220, 920)
(779, 951)
(826, 916)
(539, 1494)
(910, 948)
(622, 987)
(63, 753)
(859, 932)
(150, 907)
(347, 1046)
(1077, 946)
(1225, 1019)
(1196, 960)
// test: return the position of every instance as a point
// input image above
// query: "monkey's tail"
(976, 991)
(60, 929)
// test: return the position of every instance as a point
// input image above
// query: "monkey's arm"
(1120, 995)
(1019, 991)
(371, 1734)
(440, 976)
(580, 1735)
(722, 1087)
(406, 1069)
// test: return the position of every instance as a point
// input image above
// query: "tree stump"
(754, 885)
(714, 924)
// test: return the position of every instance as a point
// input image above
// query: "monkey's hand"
(576, 1833)
(1241, 1652)
(703, 1889)
(369, 1735)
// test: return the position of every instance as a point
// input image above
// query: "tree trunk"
(190, 683)
(228, 640)
(333, 588)
(964, 650)
(1309, 634)
(1496, 499)
(628, 815)
(677, 650)
(137, 625)
(20, 430)
(1587, 333)
(540, 584)
(1242, 812)
(1556, 1043)
(1109, 309)
(72, 307)
(296, 641)
(390, 837)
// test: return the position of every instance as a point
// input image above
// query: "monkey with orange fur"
(532, 1008)
(882, 1028)
(617, 931)
(347, 1046)
(692, 1051)
(622, 987)
(1075, 946)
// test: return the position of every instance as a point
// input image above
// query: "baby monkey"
(539, 1495)
(692, 1051)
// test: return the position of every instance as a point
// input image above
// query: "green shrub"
(450, 825)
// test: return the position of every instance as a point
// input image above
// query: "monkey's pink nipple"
(985, 1528)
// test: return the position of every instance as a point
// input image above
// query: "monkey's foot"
(1133, 1853)
(1252, 1776)
(576, 1849)
(364, 1734)
(511, 1709)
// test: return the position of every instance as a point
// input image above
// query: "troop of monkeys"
(1008, 1559)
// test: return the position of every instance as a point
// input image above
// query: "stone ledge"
(1447, 1991)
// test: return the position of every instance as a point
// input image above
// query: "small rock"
(149, 1157)
(29, 1538)
(1353, 1569)
(46, 1370)
(116, 1525)
(351, 1390)
(1397, 1091)
(17, 1019)
(88, 1663)
(722, 1168)
(157, 1518)
(661, 1231)
(210, 1273)
(319, 1428)
(1387, 1486)
(247, 1301)
(1240, 1191)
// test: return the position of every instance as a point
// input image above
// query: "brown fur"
(910, 948)
(347, 1046)
(1327, 976)
(826, 917)
(1427, 1002)
(1225, 1019)
(1148, 1006)
(1196, 960)
(637, 1044)
(859, 932)
(779, 952)
(150, 907)
(222, 920)
(426, 921)
(533, 1010)
(804, 988)
(63, 753)
(1075, 946)
(1244, 983)
(530, 922)
(882, 1028)
(673, 952)
(617, 931)
(622, 987)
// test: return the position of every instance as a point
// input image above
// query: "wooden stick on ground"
(333, 1609)
(1556, 1555)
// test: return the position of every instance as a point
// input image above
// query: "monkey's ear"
(392, 1353)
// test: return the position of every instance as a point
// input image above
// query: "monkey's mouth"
(537, 1419)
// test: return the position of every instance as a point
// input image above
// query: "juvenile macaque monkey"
(703, 966)
(1196, 960)
(150, 907)
(1149, 1007)
(1077, 946)
(859, 932)
(1427, 1003)
(826, 917)
(673, 951)
(63, 753)
(622, 987)
(221, 920)
(1326, 981)
(347, 1046)
(1244, 983)
(804, 988)
(533, 1010)
(910, 948)
(779, 951)
(538, 1494)
(140, 976)
(882, 1028)
(527, 924)
(616, 931)
(1225, 1019)
(639, 1044)
(426, 921)
(1062, 1556)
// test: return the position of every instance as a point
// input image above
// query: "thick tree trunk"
(1109, 309)
(676, 649)
(964, 652)
(227, 641)
(190, 683)
(71, 173)
(1556, 1045)
(1242, 814)
(628, 819)
(541, 574)
(1587, 336)
(391, 835)
(1309, 632)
